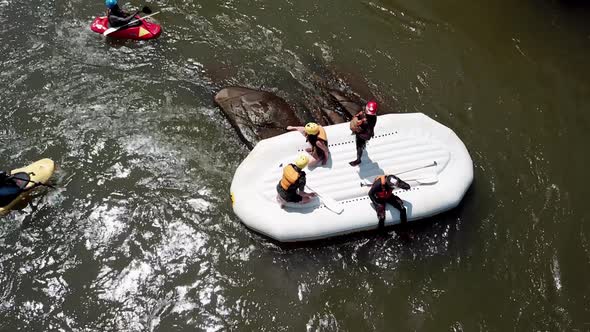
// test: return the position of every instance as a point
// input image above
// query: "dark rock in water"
(327, 97)
(256, 114)
(346, 85)
(350, 104)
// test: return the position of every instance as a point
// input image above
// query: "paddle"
(434, 163)
(422, 180)
(328, 201)
(145, 10)
(425, 180)
(35, 183)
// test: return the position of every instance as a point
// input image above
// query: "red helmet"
(371, 108)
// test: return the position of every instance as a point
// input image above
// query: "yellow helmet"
(301, 161)
(312, 128)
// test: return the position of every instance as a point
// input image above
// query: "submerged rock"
(256, 114)
(259, 114)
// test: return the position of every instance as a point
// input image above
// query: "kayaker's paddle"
(145, 10)
(328, 201)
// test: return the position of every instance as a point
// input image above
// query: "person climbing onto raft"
(317, 138)
(363, 125)
(118, 17)
(291, 187)
(381, 193)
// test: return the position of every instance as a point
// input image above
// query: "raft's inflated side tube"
(422, 152)
(146, 30)
(39, 171)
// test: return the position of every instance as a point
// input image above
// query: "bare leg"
(306, 199)
(312, 161)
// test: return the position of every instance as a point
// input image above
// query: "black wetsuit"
(9, 190)
(290, 193)
(367, 131)
(118, 18)
(387, 196)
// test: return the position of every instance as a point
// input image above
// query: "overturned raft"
(426, 154)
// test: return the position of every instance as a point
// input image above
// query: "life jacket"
(312, 139)
(117, 11)
(119, 18)
(322, 134)
(384, 193)
(290, 180)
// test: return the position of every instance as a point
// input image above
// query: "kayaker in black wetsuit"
(9, 190)
(362, 125)
(118, 17)
(381, 193)
(317, 138)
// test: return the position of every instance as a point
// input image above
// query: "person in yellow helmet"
(291, 187)
(317, 138)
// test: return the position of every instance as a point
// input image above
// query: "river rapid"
(140, 235)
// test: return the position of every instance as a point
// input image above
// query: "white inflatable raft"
(421, 151)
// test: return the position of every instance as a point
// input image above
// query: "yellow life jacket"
(312, 139)
(322, 134)
(290, 177)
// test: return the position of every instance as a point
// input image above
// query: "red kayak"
(146, 30)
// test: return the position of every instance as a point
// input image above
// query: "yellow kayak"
(39, 171)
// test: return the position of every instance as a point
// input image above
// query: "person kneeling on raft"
(317, 138)
(363, 125)
(118, 17)
(382, 192)
(291, 187)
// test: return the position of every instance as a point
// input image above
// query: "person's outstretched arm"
(301, 130)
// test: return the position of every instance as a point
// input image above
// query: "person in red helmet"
(363, 125)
